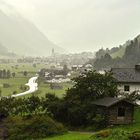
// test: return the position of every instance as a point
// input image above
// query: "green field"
(19, 67)
(20, 79)
(71, 136)
(14, 83)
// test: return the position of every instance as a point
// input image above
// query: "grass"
(19, 80)
(71, 136)
(14, 84)
(19, 67)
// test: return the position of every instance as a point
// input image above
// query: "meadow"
(71, 136)
(20, 80)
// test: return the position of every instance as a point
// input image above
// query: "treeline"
(103, 52)
(129, 59)
(5, 74)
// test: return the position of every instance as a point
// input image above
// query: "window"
(121, 112)
(126, 88)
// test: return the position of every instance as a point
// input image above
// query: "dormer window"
(126, 88)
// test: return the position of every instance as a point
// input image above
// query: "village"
(69, 70)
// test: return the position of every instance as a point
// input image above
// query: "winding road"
(33, 86)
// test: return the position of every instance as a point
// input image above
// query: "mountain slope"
(130, 56)
(22, 37)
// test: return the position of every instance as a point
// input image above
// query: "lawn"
(71, 136)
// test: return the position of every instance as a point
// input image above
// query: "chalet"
(128, 78)
(115, 110)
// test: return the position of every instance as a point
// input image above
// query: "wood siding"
(113, 113)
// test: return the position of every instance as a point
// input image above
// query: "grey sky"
(83, 25)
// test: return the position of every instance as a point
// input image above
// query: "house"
(128, 78)
(115, 110)
(76, 67)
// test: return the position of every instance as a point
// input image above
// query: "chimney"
(137, 67)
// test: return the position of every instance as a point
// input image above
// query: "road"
(33, 86)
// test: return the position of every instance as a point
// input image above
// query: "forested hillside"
(123, 56)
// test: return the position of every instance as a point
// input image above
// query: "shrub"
(31, 127)
(116, 134)
(135, 135)
(119, 134)
(103, 133)
(5, 85)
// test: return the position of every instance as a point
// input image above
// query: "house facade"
(128, 79)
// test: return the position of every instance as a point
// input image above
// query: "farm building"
(115, 110)
(128, 79)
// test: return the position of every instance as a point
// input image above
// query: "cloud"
(80, 25)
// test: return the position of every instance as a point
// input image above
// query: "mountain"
(22, 37)
(129, 58)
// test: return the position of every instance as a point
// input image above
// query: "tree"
(33, 105)
(4, 74)
(0, 73)
(13, 74)
(78, 102)
(65, 70)
(8, 74)
(25, 73)
(0, 93)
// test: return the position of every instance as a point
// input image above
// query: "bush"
(119, 134)
(116, 134)
(5, 85)
(31, 127)
(135, 136)
(103, 133)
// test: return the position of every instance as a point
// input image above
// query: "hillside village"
(69, 70)
(60, 87)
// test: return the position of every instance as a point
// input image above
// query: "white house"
(128, 78)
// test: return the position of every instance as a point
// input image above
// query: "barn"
(115, 110)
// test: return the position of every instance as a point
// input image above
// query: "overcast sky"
(83, 25)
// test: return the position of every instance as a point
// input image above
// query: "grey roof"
(128, 75)
(109, 101)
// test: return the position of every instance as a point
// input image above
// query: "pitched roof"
(128, 75)
(109, 101)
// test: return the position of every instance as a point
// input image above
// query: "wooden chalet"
(115, 110)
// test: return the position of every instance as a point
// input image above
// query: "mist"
(83, 25)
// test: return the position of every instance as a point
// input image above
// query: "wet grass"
(71, 136)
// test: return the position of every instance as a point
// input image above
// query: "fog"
(83, 25)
